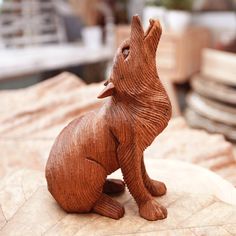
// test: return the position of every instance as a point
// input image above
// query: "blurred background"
(196, 58)
(54, 58)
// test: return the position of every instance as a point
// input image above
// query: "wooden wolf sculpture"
(115, 136)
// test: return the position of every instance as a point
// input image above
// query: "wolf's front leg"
(156, 188)
(130, 160)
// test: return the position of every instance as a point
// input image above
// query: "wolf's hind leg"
(106, 206)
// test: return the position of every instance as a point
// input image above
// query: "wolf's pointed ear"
(107, 91)
(137, 33)
(153, 35)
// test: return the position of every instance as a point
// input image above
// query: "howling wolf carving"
(93, 146)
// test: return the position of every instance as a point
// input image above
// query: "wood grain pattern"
(197, 206)
(115, 136)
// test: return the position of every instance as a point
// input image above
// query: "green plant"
(185, 5)
(153, 2)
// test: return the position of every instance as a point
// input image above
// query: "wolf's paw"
(151, 210)
(157, 188)
(108, 207)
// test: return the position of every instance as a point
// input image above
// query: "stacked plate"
(212, 102)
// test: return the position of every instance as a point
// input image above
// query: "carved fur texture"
(115, 136)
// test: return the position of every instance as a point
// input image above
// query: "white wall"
(222, 24)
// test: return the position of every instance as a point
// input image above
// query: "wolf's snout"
(148, 39)
(153, 29)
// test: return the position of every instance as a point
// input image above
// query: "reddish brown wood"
(115, 136)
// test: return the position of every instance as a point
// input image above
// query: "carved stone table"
(204, 204)
(31, 118)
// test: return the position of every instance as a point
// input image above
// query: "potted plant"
(155, 10)
(179, 13)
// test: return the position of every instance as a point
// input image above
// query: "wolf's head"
(134, 68)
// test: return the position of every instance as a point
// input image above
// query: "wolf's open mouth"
(152, 23)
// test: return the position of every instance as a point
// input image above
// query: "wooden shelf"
(18, 62)
(179, 54)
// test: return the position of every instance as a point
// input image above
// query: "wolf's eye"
(125, 52)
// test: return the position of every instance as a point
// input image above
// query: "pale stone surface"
(31, 118)
(195, 199)
(212, 151)
(12, 100)
(211, 231)
(26, 153)
(189, 212)
(46, 107)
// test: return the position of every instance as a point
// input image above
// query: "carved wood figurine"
(115, 136)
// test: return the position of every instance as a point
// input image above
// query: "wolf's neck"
(148, 113)
(151, 113)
